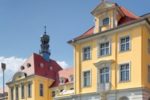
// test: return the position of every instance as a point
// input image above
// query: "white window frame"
(99, 50)
(106, 66)
(83, 58)
(103, 21)
(129, 72)
(84, 80)
(121, 37)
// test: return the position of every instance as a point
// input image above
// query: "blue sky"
(22, 21)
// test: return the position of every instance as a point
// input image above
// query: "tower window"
(28, 65)
(106, 21)
(41, 90)
(22, 68)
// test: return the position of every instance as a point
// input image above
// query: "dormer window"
(71, 78)
(106, 21)
(62, 80)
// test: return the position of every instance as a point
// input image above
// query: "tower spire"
(44, 52)
(45, 29)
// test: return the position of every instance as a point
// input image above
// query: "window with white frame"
(86, 78)
(106, 21)
(124, 43)
(41, 89)
(17, 93)
(12, 93)
(71, 78)
(104, 75)
(125, 72)
(104, 49)
(29, 89)
(62, 80)
(87, 53)
(148, 73)
(22, 91)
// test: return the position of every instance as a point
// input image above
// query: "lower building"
(41, 78)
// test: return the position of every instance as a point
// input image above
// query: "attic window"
(71, 78)
(62, 80)
(28, 65)
(22, 67)
(106, 21)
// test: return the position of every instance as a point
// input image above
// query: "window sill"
(101, 56)
(125, 81)
(125, 51)
(86, 60)
(86, 86)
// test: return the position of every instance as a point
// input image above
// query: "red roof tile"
(66, 73)
(86, 34)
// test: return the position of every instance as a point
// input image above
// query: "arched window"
(124, 98)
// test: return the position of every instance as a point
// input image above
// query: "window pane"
(86, 53)
(104, 48)
(86, 78)
(106, 21)
(125, 43)
(124, 72)
(104, 75)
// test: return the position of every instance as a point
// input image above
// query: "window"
(12, 93)
(86, 53)
(149, 73)
(124, 72)
(149, 46)
(53, 94)
(71, 78)
(106, 21)
(17, 93)
(125, 43)
(28, 65)
(104, 49)
(86, 78)
(41, 90)
(22, 91)
(29, 90)
(104, 75)
(62, 80)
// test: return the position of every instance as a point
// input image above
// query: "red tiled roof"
(87, 33)
(128, 16)
(66, 73)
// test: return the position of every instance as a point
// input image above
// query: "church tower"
(44, 52)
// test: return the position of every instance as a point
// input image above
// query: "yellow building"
(112, 59)
(41, 78)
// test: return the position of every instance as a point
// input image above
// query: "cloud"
(12, 65)
(63, 64)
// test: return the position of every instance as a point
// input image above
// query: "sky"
(22, 23)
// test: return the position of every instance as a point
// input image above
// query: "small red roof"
(128, 16)
(66, 73)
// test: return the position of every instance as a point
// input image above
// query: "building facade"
(41, 78)
(112, 59)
